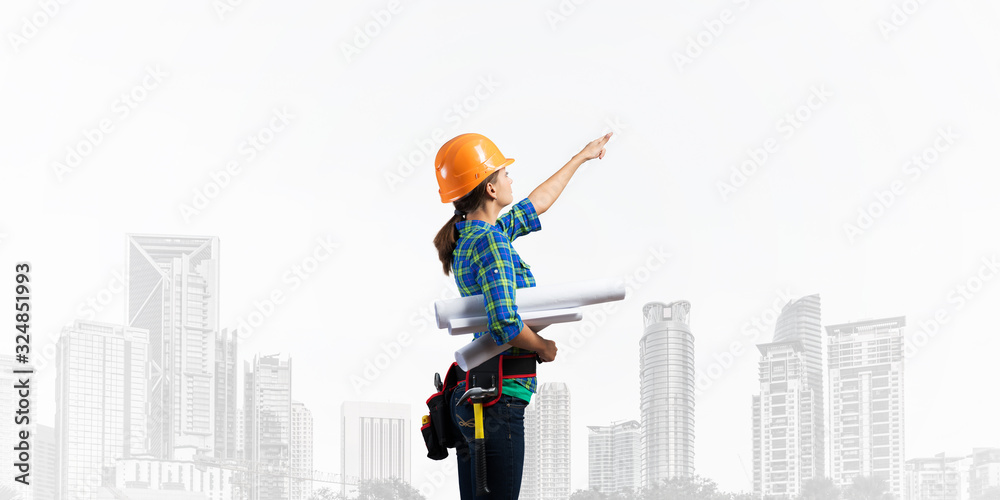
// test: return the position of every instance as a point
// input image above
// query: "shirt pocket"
(523, 271)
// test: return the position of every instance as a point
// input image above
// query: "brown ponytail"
(447, 237)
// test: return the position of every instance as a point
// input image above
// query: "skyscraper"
(666, 398)
(375, 441)
(866, 401)
(268, 412)
(784, 422)
(227, 417)
(615, 457)
(302, 451)
(788, 413)
(547, 444)
(172, 291)
(100, 403)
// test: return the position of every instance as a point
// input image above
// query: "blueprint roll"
(462, 326)
(533, 299)
(478, 351)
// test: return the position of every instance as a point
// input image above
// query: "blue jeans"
(503, 426)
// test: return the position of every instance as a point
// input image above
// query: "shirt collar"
(472, 225)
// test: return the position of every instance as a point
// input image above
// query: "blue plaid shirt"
(484, 262)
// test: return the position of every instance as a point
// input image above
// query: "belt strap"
(497, 368)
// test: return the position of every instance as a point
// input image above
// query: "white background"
(562, 74)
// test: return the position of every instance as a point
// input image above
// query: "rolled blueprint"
(461, 326)
(532, 299)
(478, 351)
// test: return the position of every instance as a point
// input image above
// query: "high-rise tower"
(614, 457)
(547, 444)
(866, 401)
(227, 416)
(172, 291)
(788, 413)
(666, 376)
(100, 404)
(268, 413)
(302, 451)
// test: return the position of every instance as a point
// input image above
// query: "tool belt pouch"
(436, 450)
(440, 432)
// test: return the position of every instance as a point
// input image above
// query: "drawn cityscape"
(150, 408)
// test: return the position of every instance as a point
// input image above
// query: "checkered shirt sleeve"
(496, 278)
(520, 220)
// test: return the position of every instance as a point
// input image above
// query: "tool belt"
(437, 427)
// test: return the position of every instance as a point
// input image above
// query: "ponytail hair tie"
(459, 212)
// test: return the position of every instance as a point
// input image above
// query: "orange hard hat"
(463, 162)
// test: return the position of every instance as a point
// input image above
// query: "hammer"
(477, 395)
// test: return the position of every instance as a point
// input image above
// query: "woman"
(476, 246)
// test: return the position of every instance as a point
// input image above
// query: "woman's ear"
(491, 191)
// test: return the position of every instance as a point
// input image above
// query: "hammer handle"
(481, 488)
(479, 443)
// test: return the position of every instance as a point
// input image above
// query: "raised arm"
(547, 192)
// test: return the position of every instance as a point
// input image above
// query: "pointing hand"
(595, 149)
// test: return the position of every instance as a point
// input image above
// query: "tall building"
(546, 473)
(800, 320)
(937, 478)
(45, 466)
(666, 398)
(783, 430)
(172, 291)
(600, 449)
(788, 415)
(302, 451)
(375, 441)
(614, 457)
(227, 416)
(267, 407)
(984, 473)
(866, 401)
(100, 404)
